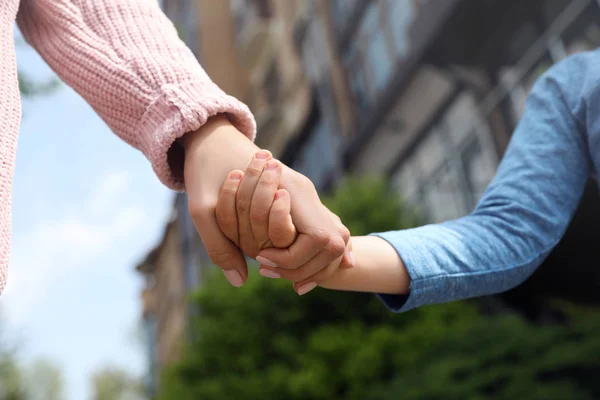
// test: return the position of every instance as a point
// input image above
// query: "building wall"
(165, 307)
(217, 51)
(423, 91)
(172, 307)
(435, 88)
(278, 94)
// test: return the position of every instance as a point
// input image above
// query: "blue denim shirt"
(528, 205)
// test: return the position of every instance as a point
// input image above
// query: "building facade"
(432, 90)
(164, 302)
(425, 92)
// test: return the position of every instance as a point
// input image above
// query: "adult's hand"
(251, 208)
(211, 154)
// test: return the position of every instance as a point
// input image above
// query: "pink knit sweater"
(125, 58)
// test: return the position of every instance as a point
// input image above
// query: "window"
(431, 152)
(272, 83)
(263, 8)
(520, 85)
(319, 156)
(400, 15)
(357, 79)
(458, 118)
(443, 198)
(452, 166)
(584, 33)
(342, 11)
(368, 59)
(380, 64)
(477, 170)
(315, 54)
(371, 38)
(406, 181)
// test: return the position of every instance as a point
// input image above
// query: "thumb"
(220, 249)
(282, 231)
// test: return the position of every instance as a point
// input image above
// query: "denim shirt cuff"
(420, 294)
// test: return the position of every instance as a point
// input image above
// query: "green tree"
(11, 378)
(114, 383)
(368, 205)
(41, 380)
(29, 87)
(263, 342)
(44, 381)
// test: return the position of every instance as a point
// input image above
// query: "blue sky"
(86, 209)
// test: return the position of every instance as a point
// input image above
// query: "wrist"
(211, 153)
(216, 131)
(377, 269)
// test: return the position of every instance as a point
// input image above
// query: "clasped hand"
(256, 215)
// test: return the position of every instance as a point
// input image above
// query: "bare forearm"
(377, 269)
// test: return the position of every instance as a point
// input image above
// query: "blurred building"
(163, 303)
(431, 89)
(426, 92)
(174, 268)
(278, 92)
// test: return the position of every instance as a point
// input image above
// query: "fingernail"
(307, 287)
(273, 164)
(235, 175)
(234, 277)
(266, 262)
(262, 155)
(267, 273)
(351, 258)
(279, 194)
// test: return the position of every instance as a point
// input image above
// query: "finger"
(226, 209)
(262, 201)
(220, 250)
(282, 230)
(299, 253)
(347, 258)
(303, 287)
(244, 201)
(303, 250)
(311, 269)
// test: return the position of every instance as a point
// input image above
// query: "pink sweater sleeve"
(126, 59)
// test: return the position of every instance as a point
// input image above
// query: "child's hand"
(269, 206)
(273, 207)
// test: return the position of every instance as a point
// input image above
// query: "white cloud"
(55, 247)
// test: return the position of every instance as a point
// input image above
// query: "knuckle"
(346, 235)
(221, 256)
(279, 231)
(229, 190)
(321, 238)
(197, 210)
(307, 183)
(225, 218)
(268, 178)
(302, 181)
(243, 206)
(258, 215)
(279, 214)
(254, 170)
(336, 247)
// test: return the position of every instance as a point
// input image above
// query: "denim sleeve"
(523, 213)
